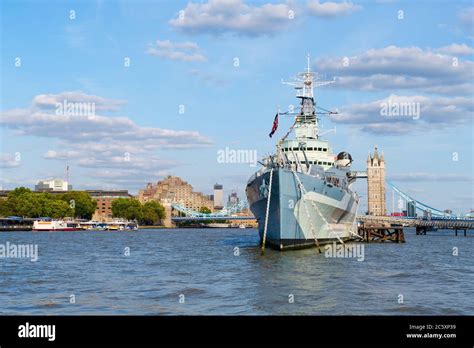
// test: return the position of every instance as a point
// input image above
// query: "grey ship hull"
(326, 214)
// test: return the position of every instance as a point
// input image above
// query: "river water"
(221, 271)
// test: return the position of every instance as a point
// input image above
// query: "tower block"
(376, 184)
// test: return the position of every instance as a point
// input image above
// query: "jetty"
(15, 223)
(382, 228)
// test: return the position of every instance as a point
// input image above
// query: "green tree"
(34, 205)
(16, 199)
(205, 210)
(134, 210)
(18, 191)
(5, 208)
(31, 204)
(56, 208)
(81, 202)
(130, 209)
(119, 207)
(153, 212)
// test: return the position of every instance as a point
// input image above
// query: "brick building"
(173, 189)
(104, 200)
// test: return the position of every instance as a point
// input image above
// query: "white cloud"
(456, 50)
(94, 128)
(433, 114)
(331, 9)
(235, 16)
(401, 68)
(61, 155)
(185, 51)
(8, 160)
(97, 141)
(50, 101)
(127, 161)
(125, 177)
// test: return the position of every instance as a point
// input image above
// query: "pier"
(372, 231)
(15, 223)
(422, 225)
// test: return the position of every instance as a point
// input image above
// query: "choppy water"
(200, 264)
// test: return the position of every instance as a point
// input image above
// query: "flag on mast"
(275, 125)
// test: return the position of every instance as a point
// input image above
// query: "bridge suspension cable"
(419, 205)
(227, 211)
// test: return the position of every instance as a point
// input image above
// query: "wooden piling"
(381, 232)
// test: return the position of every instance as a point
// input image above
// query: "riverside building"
(173, 189)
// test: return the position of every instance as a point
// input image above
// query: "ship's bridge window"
(324, 149)
(310, 149)
(320, 149)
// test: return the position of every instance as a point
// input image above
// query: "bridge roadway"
(440, 223)
(434, 223)
(421, 224)
(210, 218)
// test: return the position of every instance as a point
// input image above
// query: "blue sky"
(421, 55)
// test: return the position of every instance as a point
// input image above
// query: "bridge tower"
(376, 184)
(167, 222)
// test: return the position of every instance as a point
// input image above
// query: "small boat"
(241, 226)
(115, 227)
(47, 224)
(93, 226)
(218, 225)
(131, 226)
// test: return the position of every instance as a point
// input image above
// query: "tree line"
(26, 203)
(76, 204)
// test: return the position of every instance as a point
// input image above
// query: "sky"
(174, 83)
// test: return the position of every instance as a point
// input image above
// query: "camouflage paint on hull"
(289, 225)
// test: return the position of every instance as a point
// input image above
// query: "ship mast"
(306, 123)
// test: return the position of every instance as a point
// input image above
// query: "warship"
(302, 196)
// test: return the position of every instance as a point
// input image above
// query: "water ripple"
(202, 265)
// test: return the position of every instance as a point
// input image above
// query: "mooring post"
(267, 211)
